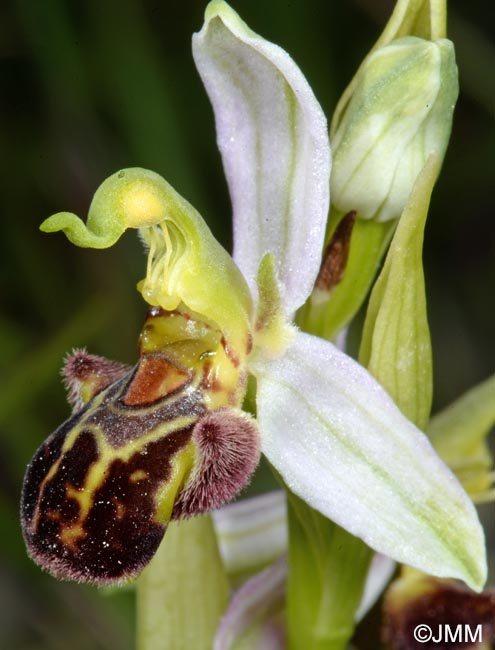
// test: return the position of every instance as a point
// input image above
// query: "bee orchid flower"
(168, 438)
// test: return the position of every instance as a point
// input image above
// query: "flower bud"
(399, 113)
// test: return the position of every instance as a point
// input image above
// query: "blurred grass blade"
(39, 366)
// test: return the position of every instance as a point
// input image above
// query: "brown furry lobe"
(228, 451)
(85, 375)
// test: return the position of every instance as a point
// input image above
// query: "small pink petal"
(252, 532)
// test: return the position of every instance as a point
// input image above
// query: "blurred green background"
(92, 86)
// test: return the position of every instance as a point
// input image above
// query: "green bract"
(395, 345)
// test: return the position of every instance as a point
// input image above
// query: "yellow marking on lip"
(70, 535)
(138, 475)
(83, 497)
(181, 466)
(69, 441)
(97, 472)
(124, 453)
(106, 454)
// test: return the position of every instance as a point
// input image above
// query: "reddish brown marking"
(54, 515)
(210, 380)
(155, 378)
(216, 385)
(229, 352)
(119, 508)
(206, 380)
(336, 254)
(249, 346)
(158, 312)
(71, 535)
(155, 312)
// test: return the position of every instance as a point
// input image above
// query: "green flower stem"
(327, 565)
(325, 315)
(183, 593)
(327, 573)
